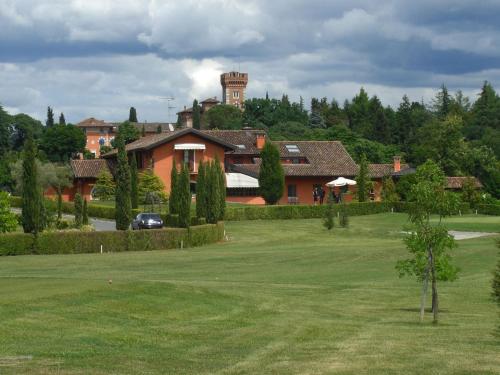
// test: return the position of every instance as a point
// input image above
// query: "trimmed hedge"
(75, 242)
(489, 209)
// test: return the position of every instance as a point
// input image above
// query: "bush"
(488, 209)
(73, 242)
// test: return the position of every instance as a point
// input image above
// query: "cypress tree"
(184, 197)
(50, 118)
(362, 180)
(32, 201)
(173, 201)
(132, 116)
(178, 124)
(271, 175)
(59, 207)
(213, 194)
(221, 181)
(328, 221)
(196, 115)
(123, 212)
(78, 210)
(62, 120)
(158, 129)
(134, 192)
(85, 214)
(201, 190)
(143, 131)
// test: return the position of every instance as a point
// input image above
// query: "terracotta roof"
(325, 158)
(246, 138)
(152, 127)
(88, 168)
(383, 170)
(92, 123)
(186, 110)
(151, 141)
(210, 100)
(457, 182)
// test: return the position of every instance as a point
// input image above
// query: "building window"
(189, 159)
(102, 141)
(236, 94)
(292, 190)
(292, 148)
(242, 192)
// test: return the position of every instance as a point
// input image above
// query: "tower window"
(236, 94)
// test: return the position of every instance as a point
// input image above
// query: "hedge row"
(489, 209)
(74, 242)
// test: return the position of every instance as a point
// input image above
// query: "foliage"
(50, 118)
(62, 120)
(128, 132)
(8, 220)
(173, 201)
(104, 187)
(389, 194)
(149, 183)
(134, 181)
(223, 116)
(221, 182)
(213, 194)
(429, 245)
(343, 215)
(123, 212)
(496, 281)
(62, 142)
(196, 115)
(184, 197)
(78, 210)
(470, 193)
(201, 191)
(132, 116)
(104, 149)
(328, 221)
(271, 174)
(32, 205)
(85, 214)
(363, 180)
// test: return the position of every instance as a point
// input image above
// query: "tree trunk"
(435, 302)
(424, 295)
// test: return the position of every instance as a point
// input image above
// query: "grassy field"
(281, 297)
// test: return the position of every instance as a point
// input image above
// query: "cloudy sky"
(99, 57)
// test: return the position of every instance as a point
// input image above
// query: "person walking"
(321, 195)
(315, 195)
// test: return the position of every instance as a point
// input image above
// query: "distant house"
(457, 183)
(186, 114)
(100, 133)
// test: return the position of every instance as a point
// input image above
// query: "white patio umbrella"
(341, 181)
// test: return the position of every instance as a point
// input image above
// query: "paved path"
(99, 224)
(460, 235)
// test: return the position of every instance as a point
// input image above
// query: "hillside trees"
(62, 142)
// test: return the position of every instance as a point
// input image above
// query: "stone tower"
(233, 88)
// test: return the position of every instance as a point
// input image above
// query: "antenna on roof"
(169, 107)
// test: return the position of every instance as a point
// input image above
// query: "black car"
(147, 221)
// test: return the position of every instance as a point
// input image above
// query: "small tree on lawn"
(363, 180)
(470, 193)
(123, 211)
(328, 221)
(32, 199)
(78, 210)
(85, 214)
(150, 185)
(201, 190)
(271, 175)
(8, 220)
(343, 215)
(104, 187)
(173, 200)
(184, 197)
(134, 181)
(389, 194)
(430, 245)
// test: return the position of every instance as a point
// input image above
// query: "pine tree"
(201, 190)
(32, 199)
(221, 181)
(134, 182)
(85, 214)
(151, 187)
(62, 120)
(196, 115)
(184, 196)
(173, 200)
(362, 180)
(50, 118)
(104, 187)
(132, 116)
(78, 210)
(213, 194)
(328, 221)
(123, 212)
(178, 124)
(442, 103)
(271, 174)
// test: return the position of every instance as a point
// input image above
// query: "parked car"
(147, 221)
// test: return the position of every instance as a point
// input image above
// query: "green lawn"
(281, 297)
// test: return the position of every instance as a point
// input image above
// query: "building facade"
(234, 86)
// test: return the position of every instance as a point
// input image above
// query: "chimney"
(261, 140)
(397, 163)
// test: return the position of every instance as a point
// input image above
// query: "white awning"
(189, 146)
(341, 181)
(240, 180)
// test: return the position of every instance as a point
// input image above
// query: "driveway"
(99, 224)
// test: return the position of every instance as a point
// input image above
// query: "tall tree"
(85, 213)
(363, 180)
(32, 200)
(213, 194)
(132, 116)
(63, 142)
(150, 185)
(173, 199)
(441, 104)
(129, 133)
(134, 182)
(201, 191)
(78, 210)
(196, 115)
(178, 124)
(271, 174)
(62, 120)
(221, 181)
(123, 211)
(429, 244)
(104, 188)
(184, 197)
(50, 118)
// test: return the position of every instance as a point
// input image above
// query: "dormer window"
(292, 148)
(241, 147)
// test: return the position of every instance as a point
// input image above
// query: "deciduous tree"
(134, 181)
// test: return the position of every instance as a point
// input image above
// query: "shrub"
(488, 209)
(343, 216)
